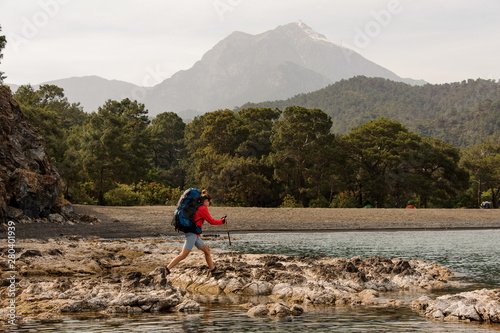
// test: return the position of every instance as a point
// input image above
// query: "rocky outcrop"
(120, 277)
(114, 294)
(316, 280)
(29, 182)
(479, 305)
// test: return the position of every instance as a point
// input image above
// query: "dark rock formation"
(29, 182)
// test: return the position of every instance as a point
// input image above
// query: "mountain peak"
(312, 34)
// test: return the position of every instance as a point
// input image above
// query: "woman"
(200, 216)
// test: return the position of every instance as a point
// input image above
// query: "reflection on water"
(233, 319)
(475, 255)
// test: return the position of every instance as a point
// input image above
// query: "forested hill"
(463, 113)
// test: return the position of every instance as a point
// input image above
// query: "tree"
(168, 147)
(330, 170)
(49, 111)
(254, 130)
(3, 41)
(379, 150)
(483, 162)
(227, 154)
(295, 141)
(114, 145)
(56, 119)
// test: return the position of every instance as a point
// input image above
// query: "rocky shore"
(103, 277)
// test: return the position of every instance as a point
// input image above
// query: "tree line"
(258, 156)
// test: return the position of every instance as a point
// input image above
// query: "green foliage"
(83, 193)
(157, 194)
(344, 200)
(446, 111)
(167, 144)
(321, 202)
(483, 163)
(266, 157)
(394, 164)
(295, 141)
(289, 202)
(114, 145)
(123, 195)
(3, 41)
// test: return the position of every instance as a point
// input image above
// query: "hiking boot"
(164, 271)
(216, 272)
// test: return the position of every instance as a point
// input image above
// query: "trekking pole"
(229, 237)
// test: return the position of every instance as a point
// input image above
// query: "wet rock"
(258, 311)
(275, 310)
(478, 305)
(121, 277)
(188, 306)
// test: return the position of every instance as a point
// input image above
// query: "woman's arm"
(203, 213)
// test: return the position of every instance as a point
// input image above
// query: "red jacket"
(202, 215)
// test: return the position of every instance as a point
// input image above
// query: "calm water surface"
(473, 255)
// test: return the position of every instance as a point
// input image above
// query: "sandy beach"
(151, 221)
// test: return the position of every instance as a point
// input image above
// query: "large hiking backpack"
(183, 219)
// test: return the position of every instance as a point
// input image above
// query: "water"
(474, 255)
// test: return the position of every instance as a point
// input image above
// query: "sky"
(146, 42)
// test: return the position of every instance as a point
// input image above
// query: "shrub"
(344, 200)
(322, 202)
(289, 202)
(123, 195)
(154, 193)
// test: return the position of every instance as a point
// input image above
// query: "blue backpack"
(183, 219)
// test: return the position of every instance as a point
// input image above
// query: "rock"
(31, 253)
(297, 310)
(478, 305)
(56, 218)
(279, 310)
(282, 291)
(275, 310)
(257, 288)
(188, 306)
(65, 208)
(28, 179)
(258, 311)
(121, 277)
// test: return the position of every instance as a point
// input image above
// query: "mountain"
(94, 91)
(276, 64)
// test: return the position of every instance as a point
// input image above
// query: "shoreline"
(154, 221)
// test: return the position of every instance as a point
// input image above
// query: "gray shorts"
(192, 239)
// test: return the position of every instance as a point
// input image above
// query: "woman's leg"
(184, 253)
(208, 257)
(188, 246)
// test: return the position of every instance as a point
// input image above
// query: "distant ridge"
(461, 113)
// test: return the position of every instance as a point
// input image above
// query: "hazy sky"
(145, 42)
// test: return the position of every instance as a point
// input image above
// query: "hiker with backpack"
(192, 202)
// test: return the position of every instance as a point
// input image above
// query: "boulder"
(28, 179)
(275, 310)
(478, 305)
